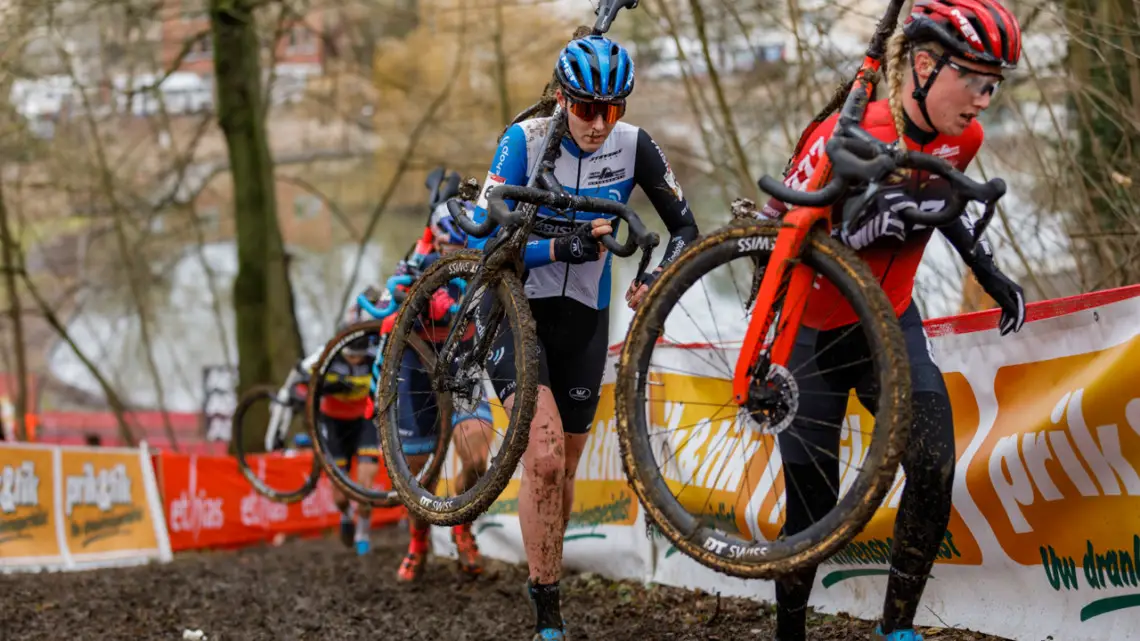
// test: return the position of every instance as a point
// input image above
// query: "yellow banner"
(105, 507)
(722, 468)
(27, 506)
(1054, 475)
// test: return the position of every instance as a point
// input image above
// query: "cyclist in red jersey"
(943, 69)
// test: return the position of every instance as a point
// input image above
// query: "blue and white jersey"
(628, 157)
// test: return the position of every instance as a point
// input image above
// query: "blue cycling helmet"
(595, 68)
(444, 227)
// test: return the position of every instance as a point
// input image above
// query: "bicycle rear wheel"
(489, 308)
(340, 477)
(647, 393)
(246, 412)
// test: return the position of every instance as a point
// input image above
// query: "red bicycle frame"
(797, 224)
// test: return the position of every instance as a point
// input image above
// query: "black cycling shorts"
(351, 437)
(572, 342)
(843, 358)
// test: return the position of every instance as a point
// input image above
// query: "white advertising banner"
(1044, 536)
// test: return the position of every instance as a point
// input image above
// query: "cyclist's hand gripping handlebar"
(639, 236)
(860, 159)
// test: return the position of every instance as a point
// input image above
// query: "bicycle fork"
(767, 343)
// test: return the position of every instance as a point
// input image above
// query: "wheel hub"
(773, 401)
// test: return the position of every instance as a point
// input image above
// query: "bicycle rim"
(425, 501)
(702, 537)
(339, 477)
(241, 412)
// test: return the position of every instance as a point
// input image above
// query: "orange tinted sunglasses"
(610, 112)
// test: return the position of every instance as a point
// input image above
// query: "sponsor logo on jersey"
(580, 394)
(504, 153)
(605, 156)
(605, 176)
(946, 151)
(670, 177)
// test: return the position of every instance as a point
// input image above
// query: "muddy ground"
(316, 589)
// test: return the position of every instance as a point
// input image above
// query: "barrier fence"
(65, 508)
(1044, 537)
(78, 507)
(209, 504)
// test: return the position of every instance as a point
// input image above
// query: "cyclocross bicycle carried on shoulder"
(789, 257)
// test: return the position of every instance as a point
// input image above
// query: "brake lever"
(643, 264)
(854, 208)
(983, 222)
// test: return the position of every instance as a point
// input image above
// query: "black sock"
(903, 593)
(548, 611)
(792, 594)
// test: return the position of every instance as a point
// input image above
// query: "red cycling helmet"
(981, 31)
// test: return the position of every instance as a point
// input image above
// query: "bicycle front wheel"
(712, 447)
(378, 497)
(248, 413)
(489, 307)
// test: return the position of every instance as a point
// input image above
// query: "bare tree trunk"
(268, 339)
(15, 315)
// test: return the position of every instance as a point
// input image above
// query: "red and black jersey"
(893, 263)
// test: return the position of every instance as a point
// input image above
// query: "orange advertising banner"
(210, 504)
(106, 511)
(66, 508)
(28, 533)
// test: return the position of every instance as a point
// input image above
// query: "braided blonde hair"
(898, 55)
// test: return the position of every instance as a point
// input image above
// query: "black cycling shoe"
(548, 634)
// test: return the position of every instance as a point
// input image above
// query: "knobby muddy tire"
(708, 546)
(340, 478)
(254, 394)
(465, 507)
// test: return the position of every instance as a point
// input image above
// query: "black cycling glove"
(980, 258)
(883, 219)
(1006, 293)
(578, 247)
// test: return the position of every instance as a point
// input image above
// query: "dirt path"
(318, 590)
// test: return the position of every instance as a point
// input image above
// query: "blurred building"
(188, 46)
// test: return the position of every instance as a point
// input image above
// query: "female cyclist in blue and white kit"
(568, 282)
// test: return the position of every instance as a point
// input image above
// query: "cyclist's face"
(963, 90)
(354, 359)
(588, 135)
